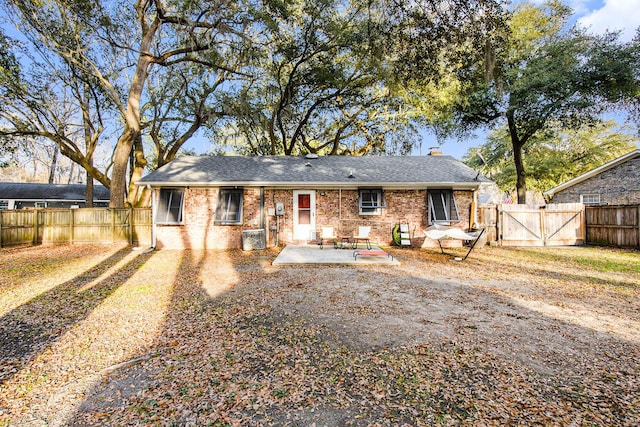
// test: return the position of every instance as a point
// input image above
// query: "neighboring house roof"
(31, 191)
(631, 155)
(309, 172)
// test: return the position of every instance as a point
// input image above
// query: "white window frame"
(371, 201)
(223, 213)
(170, 206)
(4, 205)
(591, 199)
(442, 207)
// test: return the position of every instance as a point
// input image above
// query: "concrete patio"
(313, 254)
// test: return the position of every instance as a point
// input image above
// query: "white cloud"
(579, 7)
(614, 15)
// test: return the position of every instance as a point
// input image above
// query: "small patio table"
(345, 242)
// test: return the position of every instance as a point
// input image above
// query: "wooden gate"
(551, 225)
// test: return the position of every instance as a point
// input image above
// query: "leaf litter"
(509, 337)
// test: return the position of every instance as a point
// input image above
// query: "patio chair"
(329, 234)
(363, 234)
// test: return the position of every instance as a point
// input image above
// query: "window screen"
(371, 201)
(229, 208)
(170, 206)
(442, 206)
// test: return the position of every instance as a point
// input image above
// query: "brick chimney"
(435, 151)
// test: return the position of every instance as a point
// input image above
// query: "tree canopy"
(545, 76)
(275, 77)
(330, 75)
(322, 76)
(145, 66)
(551, 158)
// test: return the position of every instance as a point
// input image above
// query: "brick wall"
(619, 185)
(333, 208)
(199, 230)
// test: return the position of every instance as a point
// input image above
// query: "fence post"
(72, 225)
(113, 225)
(130, 226)
(543, 231)
(1, 212)
(36, 221)
(499, 224)
(583, 221)
(638, 225)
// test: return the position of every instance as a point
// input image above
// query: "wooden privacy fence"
(87, 225)
(613, 225)
(520, 225)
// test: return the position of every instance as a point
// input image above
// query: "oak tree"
(552, 157)
(546, 76)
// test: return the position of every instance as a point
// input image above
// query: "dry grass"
(112, 336)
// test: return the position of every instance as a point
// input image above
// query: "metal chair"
(328, 233)
(363, 234)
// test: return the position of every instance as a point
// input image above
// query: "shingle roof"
(33, 191)
(336, 171)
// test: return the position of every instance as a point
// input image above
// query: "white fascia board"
(322, 185)
(47, 199)
(169, 184)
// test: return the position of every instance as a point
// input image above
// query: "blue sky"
(597, 16)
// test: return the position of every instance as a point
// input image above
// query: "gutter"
(262, 208)
(154, 203)
(325, 185)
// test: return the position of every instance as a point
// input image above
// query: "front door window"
(304, 205)
(304, 209)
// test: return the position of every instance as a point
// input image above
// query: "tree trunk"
(521, 178)
(521, 175)
(54, 164)
(272, 134)
(118, 188)
(136, 193)
(131, 131)
(71, 171)
(89, 145)
(88, 193)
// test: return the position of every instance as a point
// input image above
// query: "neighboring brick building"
(615, 183)
(209, 202)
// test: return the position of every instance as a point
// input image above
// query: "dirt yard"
(98, 335)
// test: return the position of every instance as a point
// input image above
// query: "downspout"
(474, 210)
(154, 199)
(262, 208)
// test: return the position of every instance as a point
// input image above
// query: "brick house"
(615, 183)
(209, 202)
